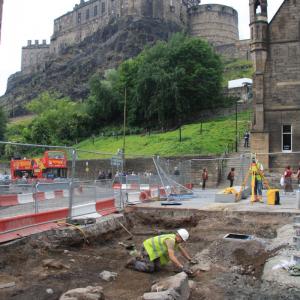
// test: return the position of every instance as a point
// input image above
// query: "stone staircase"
(240, 161)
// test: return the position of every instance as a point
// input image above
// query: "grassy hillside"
(234, 69)
(215, 136)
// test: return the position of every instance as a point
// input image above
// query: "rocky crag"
(69, 73)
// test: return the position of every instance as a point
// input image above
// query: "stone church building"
(275, 50)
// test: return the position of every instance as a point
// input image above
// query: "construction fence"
(101, 183)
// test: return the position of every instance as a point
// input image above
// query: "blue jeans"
(258, 187)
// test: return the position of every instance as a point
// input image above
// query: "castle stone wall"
(216, 23)
(34, 55)
(238, 50)
(87, 17)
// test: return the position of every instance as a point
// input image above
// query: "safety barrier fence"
(47, 202)
(75, 196)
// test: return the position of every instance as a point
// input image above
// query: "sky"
(24, 20)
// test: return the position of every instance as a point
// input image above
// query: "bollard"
(298, 199)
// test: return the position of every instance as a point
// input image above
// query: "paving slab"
(205, 201)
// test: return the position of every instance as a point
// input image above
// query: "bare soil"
(235, 272)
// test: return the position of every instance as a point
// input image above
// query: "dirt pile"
(230, 269)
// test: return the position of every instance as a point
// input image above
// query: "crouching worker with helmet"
(159, 250)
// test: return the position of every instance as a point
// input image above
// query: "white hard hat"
(183, 233)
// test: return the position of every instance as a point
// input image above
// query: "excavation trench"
(47, 265)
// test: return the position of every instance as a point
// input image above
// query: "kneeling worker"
(158, 250)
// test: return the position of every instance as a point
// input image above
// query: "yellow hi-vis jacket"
(156, 247)
(256, 170)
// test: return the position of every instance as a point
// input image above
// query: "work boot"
(130, 263)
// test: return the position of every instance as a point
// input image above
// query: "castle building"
(216, 23)
(275, 49)
(34, 55)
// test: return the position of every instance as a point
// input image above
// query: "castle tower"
(258, 47)
(216, 23)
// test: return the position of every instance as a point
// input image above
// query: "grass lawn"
(215, 136)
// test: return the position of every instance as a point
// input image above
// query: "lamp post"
(124, 128)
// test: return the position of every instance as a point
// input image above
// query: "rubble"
(108, 276)
(88, 293)
(171, 288)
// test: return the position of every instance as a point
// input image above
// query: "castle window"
(87, 14)
(95, 11)
(172, 8)
(103, 8)
(286, 138)
(208, 7)
(79, 18)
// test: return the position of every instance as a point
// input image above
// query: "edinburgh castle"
(99, 34)
(217, 23)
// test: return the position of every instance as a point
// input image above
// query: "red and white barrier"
(24, 225)
(16, 199)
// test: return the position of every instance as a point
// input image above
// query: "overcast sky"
(33, 20)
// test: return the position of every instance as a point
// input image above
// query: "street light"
(124, 128)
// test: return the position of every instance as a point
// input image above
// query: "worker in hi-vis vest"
(256, 170)
(159, 250)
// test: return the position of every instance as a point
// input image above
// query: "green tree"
(171, 82)
(104, 105)
(58, 121)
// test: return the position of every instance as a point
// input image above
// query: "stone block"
(179, 283)
(296, 259)
(108, 276)
(297, 229)
(164, 295)
(224, 198)
(88, 293)
(296, 240)
(297, 219)
(246, 192)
